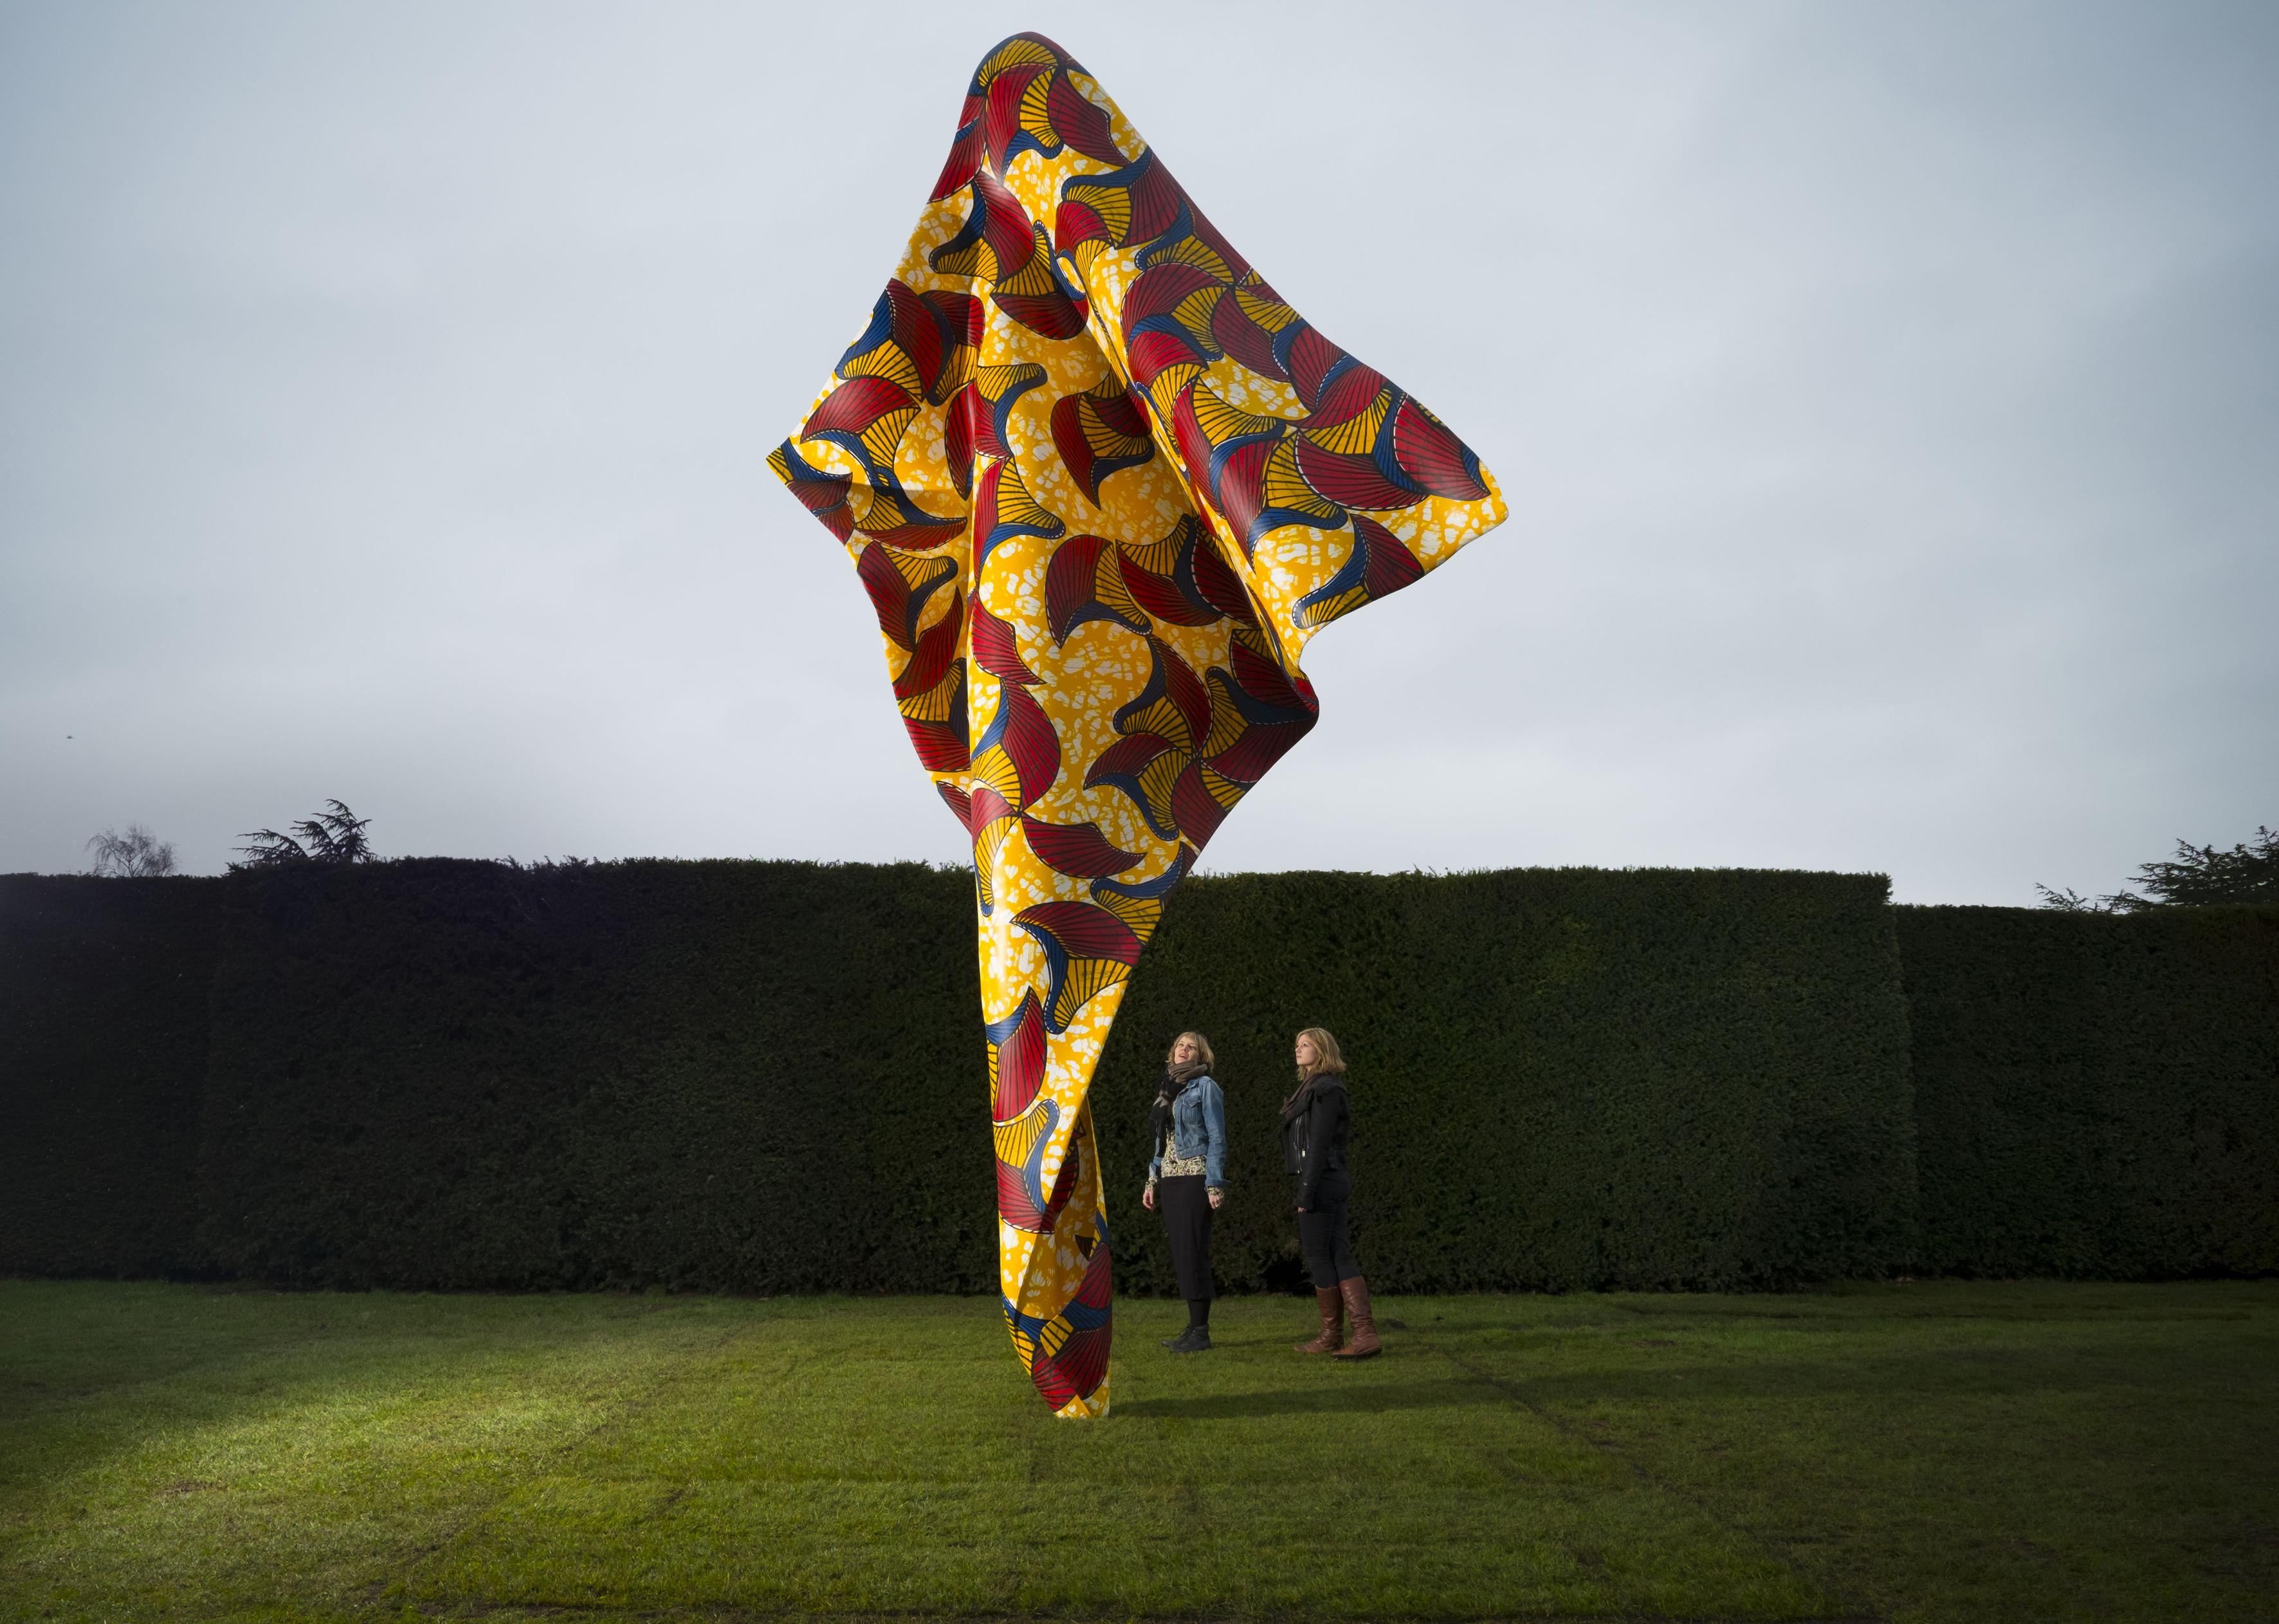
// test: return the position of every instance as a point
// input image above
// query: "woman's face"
(1305, 1052)
(1185, 1052)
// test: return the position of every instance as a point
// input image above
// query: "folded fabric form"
(1103, 485)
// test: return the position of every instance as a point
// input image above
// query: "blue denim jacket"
(1199, 1117)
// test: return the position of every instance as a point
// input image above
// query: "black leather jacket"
(1314, 1136)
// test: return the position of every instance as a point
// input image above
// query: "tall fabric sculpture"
(1103, 485)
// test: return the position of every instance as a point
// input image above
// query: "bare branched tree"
(333, 836)
(136, 854)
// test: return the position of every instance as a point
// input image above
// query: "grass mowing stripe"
(1949, 1451)
(1517, 1395)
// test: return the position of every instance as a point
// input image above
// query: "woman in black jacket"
(1314, 1121)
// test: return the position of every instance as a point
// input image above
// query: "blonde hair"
(1326, 1057)
(1202, 1050)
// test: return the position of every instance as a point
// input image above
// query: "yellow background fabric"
(1102, 486)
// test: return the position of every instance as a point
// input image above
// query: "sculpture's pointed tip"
(1092, 1406)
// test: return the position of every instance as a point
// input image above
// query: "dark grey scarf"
(1175, 1081)
(1298, 1102)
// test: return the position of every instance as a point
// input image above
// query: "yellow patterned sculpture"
(1102, 486)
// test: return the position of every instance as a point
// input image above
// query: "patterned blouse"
(1177, 1164)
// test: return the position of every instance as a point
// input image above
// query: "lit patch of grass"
(1938, 1452)
(169, 1451)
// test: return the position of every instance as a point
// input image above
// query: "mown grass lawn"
(1931, 1452)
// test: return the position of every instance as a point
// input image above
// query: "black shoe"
(1194, 1339)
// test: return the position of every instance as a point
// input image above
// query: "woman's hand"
(1148, 1198)
(1216, 1196)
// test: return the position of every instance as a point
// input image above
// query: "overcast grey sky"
(1887, 398)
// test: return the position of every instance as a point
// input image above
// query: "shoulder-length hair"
(1202, 1050)
(1326, 1055)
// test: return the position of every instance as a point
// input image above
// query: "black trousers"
(1322, 1233)
(1186, 1212)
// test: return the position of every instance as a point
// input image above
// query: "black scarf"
(1298, 1102)
(1176, 1079)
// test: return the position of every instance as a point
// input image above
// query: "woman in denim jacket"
(1187, 1179)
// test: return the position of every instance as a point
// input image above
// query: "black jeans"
(1186, 1212)
(1322, 1233)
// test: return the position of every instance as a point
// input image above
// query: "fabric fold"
(1102, 486)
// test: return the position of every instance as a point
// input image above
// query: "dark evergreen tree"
(2195, 876)
(333, 836)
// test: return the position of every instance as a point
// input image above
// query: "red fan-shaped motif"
(1078, 849)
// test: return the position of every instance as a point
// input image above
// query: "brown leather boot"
(1364, 1341)
(1332, 1306)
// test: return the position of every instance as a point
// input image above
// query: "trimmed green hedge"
(2096, 1095)
(1559, 1078)
(725, 1076)
(768, 1077)
(103, 1060)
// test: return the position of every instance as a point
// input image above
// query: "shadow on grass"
(1653, 1373)
(1343, 1398)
